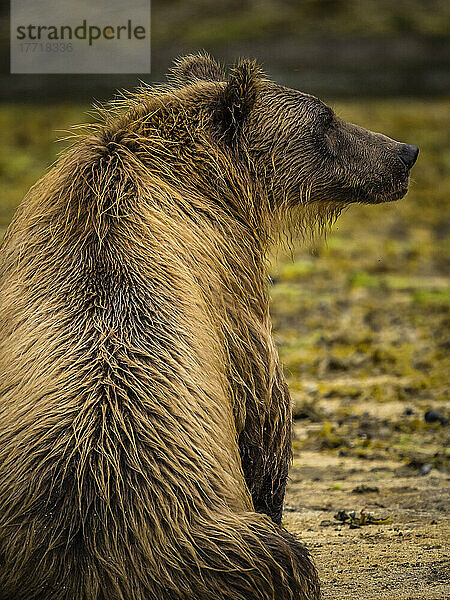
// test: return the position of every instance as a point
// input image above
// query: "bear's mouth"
(390, 196)
(388, 189)
(369, 194)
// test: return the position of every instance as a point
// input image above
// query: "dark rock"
(342, 515)
(365, 489)
(327, 523)
(434, 416)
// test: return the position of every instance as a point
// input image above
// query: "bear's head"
(297, 146)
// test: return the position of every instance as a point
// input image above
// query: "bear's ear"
(238, 98)
(196, 67)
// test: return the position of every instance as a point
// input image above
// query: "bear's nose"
(408, 155)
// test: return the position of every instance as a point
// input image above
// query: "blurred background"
(361, 320)
(332, 47)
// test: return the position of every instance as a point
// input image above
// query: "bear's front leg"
(265, 446)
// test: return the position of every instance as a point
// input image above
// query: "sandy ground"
(406, 559)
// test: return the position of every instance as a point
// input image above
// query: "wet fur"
(145, 426)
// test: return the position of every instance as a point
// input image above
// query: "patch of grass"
(434, 297)
(362, 279)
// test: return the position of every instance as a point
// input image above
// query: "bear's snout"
(408, 155)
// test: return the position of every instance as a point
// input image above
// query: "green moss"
(297, 269)
(362, 279)
(432, 297)
(336, 487)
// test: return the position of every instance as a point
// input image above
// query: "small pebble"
(425, 469)
(434, 416)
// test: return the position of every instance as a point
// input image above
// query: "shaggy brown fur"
(145, 425)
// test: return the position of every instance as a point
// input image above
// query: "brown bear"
(145, 425)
